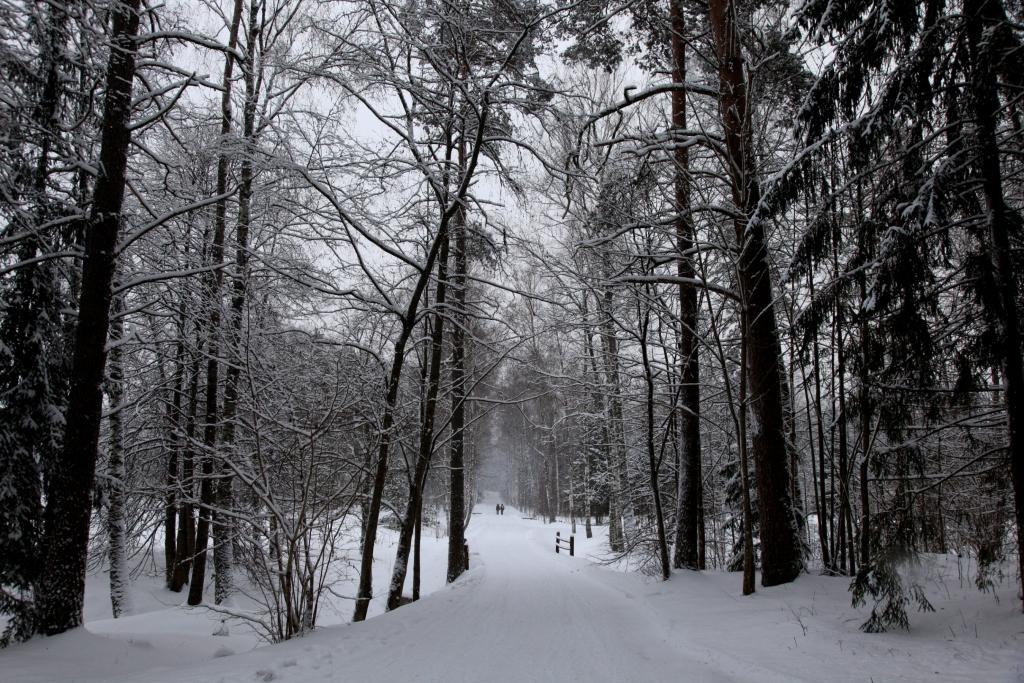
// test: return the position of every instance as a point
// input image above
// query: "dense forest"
(738, 280)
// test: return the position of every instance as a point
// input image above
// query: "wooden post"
(572, 543)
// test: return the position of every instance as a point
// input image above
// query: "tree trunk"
(600, 408)
(843, 542)
(652, 458)
(209, 494)
(68, 509)
(556, 482)
(416, 552)
(689, 504)
(426, 447)
(748, 513)
(35, 339)
(588, 498)
(824, 519)
(866, 406)
(617, 446)
(780, 542)
(172, 480)
(365, 590)
(171, 513)
(223, 555)
(982, 16)
(186, 540)
(120, 590)
(457, 492)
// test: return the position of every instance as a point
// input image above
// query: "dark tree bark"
(456, 462)
(616, 442)
(453, 204)
(652, 458)
(824, 518)
(411, 521)
(365, 487)
(598, 405)
(170, 517)
(186, 538)
(983, 16)
(365, 590)
(34, 347)
(843, 542)
(416, 552)
(866, 411)
(689, 551)
(457, 457)
(172, 481)
(208, 488)
(747, 509)
(202, 538)
(780, 544)
(223, 555)
(69, 509)
(866, 407)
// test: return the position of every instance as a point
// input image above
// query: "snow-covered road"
(524, 614)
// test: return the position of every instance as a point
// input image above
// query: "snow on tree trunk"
(69, 508)
(33, 351)
(780, 543)
(411, 520)
(380, 472)
(120, 581)
(1002, 220)
(617, 449)
(185, 542)
(688, 552)
(209, 493)
(456, 461)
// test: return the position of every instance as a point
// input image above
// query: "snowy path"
(527, 614)
(521, 614)
(524, 614)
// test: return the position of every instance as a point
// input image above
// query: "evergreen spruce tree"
(33, 360)
(900, 72)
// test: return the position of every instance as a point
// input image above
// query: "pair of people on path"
(499, 509)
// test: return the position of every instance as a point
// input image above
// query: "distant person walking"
(502, 509)
(497, 508)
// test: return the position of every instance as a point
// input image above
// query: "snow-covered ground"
(523, 613)
(164, 633)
